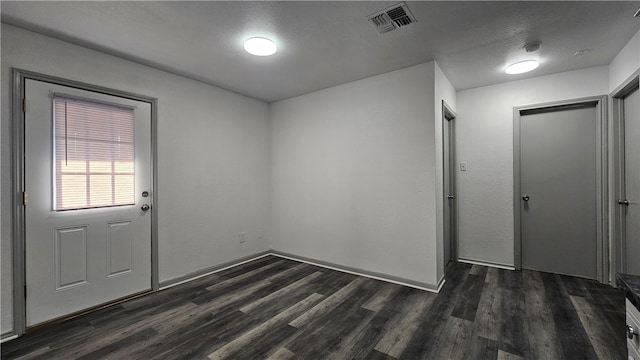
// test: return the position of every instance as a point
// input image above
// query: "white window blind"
(94, 154)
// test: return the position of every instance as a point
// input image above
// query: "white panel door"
(631, 211)
(81, 249)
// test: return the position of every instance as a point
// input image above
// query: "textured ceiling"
(322, 44)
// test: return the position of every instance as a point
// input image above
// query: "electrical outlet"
(241, 237)
(259, 234)
(463, 166)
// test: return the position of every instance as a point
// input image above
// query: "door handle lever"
(623, 202)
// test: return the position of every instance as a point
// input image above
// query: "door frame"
(617, 248)
(451, 244)
(602, 179)
(19, 225)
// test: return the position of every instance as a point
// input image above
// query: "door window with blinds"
(94, 154)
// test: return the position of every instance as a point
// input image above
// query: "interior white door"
(631, 211)
(87, 163)
(559, 188)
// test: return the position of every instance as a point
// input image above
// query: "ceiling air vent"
(392, 18)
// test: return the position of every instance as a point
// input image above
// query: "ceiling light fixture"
(260, 46)
(522, 67)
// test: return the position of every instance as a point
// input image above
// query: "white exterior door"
(88, 231)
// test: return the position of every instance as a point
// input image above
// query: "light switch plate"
(463, 166)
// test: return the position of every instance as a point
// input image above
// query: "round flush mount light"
(260, 46)
(521, 67)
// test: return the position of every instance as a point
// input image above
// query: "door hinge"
(25, 198)
(24, 105)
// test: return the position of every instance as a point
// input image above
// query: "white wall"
(485, 142)
(213, 156)
(625, 63)
(443, 90)
(353, 175)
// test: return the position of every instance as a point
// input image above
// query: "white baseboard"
(360, 272)
(209, 271)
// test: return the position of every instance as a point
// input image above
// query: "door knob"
(631, 332)
(450, 197)
(145, 207)
(525, 197)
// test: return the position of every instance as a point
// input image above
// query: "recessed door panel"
(71, 257)
(120, 252)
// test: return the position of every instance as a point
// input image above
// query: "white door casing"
(77, 259)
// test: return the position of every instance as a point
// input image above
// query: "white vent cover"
(392, 18)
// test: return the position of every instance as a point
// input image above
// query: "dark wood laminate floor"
(275, 308)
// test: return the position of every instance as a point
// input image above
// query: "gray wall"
(213, 156)
(443, 90)
(625, 63)
(485, 142)
(354, 178)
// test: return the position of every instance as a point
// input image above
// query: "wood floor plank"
(600, 334)
(513, 338)
(427, 338)
(245, 312)
(574, 286)
(348, 345)
(280, 319)
(571, 333)
(324, 334)
(238, 278)
(455, 338)
(469, 298)
(104, 352)
(377, 302)
(279, 293)
(482, 349)
(541, 326)
(282, 354)
(396, 339)
(478, 270)
(503, 355)
(327, 303)
(487, 320)
(377, 355)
